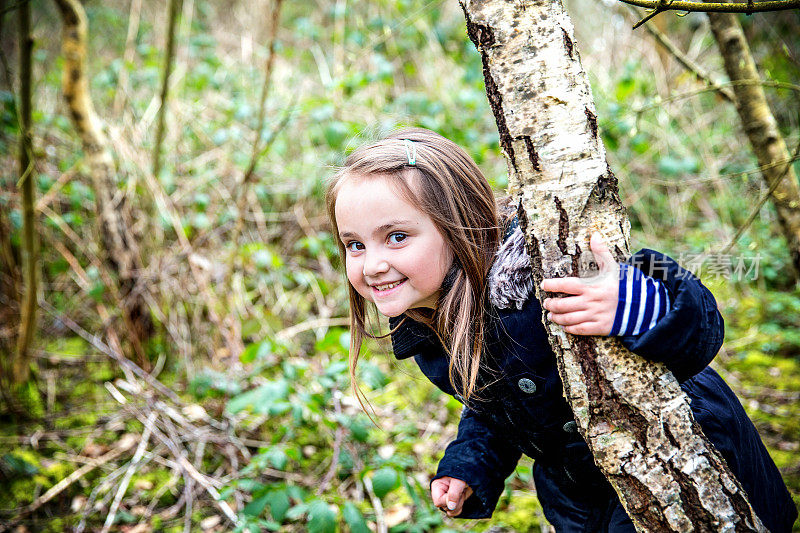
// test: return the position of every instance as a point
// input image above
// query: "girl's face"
(395, 255)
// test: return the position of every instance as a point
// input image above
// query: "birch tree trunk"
(761, 129)
(118, 241)
(631, 412)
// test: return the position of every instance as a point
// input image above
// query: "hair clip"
(411, 148)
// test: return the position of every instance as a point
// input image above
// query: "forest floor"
(269, 437)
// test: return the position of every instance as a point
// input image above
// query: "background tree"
(118, 240)
(172, 20)
(21, 367)
(761, 128)
(18, 387)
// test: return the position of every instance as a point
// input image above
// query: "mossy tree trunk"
(118, 241)
(761, 128)
(18, 308)
(631, 412)
(20, 371)
(166, 71)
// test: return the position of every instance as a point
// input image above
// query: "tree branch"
(761, 201)
(685, 61)
(714, 7)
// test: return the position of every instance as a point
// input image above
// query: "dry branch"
(137, 456)
(761, 201)
(124, 445)
(128, 56)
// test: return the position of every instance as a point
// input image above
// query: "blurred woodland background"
(187, 366)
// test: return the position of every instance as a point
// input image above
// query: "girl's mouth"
(387, 288)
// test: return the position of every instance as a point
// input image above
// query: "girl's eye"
(397, 237)
(354, 246)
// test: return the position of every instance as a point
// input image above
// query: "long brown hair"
(447, 185)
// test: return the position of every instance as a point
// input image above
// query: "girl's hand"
(449, 494)
(592, 309)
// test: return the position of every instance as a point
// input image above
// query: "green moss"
(524, 513)
(58, 470)
(68, 346)
(18, 493)
(158, 479)
(77, 421)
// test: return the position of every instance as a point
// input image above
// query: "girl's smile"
(385, 289)
(395, 255)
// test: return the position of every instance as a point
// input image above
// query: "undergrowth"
(312, 459)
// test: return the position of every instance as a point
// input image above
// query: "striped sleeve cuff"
(642, 302)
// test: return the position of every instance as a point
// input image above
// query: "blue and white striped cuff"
(642, 302)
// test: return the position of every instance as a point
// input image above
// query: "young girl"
(424, 242)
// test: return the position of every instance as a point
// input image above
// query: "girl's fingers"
(571, 319)
(568, 304)
(586, 328)
(456, 494)
(439, 492)
(565, 285)
(602, 255)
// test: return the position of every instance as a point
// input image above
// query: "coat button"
(527, 385)
(571, 427)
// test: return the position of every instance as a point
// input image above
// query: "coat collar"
(509, 285)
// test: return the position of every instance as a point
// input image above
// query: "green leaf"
(384, 481)
(201, 221)
(670, 166)
(279, 504)
(321, 518)
(336, 368)
(255, 507)
(359, 429)
(372, 375)
(256, 350)
(227, 492)
(277, 457)
(97, 290)
(17, 466)
(260, 399)
(297, 511)
(250, 485)
(354, 519)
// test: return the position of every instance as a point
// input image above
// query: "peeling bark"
(760, 126)
(113, 213)
(631, 412)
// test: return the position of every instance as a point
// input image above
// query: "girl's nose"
(374, 264)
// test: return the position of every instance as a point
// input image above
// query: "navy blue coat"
(523, 411)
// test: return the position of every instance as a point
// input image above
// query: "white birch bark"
(631, 412)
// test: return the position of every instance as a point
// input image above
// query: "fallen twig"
(337, 444)
(123, 486)
(124, 445)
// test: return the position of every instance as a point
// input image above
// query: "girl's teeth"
(389, 286)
